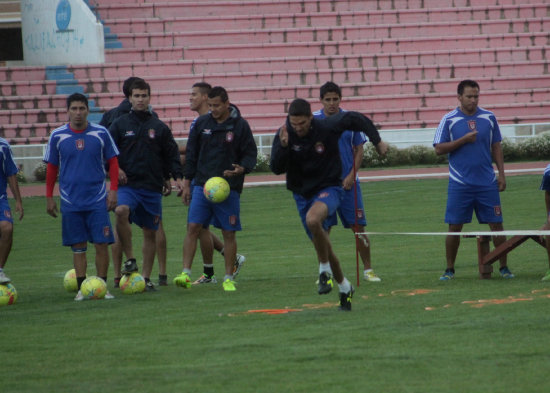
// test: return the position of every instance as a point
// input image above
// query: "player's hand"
(167, 188)
(51, 207)
(179, 187)
(348, 181)
(186, 194)
(122, 178)
(237, 170)
(470, 137)
(19, 209)
(112, 199)
(501, 183)
(382, 148)
(283, 136)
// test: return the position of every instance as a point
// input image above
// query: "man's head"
(140, 95)
(199, 97)
(127, 84)
(218, 104)
(77, 108)
(468, 96)
(331, 95)
(300, 116)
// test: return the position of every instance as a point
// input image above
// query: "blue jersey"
(81, 157)
(9, 168)
(348, 140)
(472, 163)
(545, 184)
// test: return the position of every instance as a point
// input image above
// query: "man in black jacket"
(306, 149)
(220, 145)
(148, 155)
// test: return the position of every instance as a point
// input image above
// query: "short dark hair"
(464, 83)
(76, 97)
(330, 87)
(218, 91)
(140, 84)
(299, 107)
(127, 84)
(203, 87)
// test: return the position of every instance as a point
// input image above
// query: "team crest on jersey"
(156, 220)
(207, 131)
(151, 133)
(129, 133)
(498, 212)
(229, 137)
(472, 125)
(106, 231)
(320, 147)
(7, 213)
(324, 194)
(232, 220)
(80, 144)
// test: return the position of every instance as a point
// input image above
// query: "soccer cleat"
(239, 261)
(150, 287)
(325, 283)
(204, 279)
(229, 285)
(163, 281)
(4, 279)
(448, 275)
(130, 266)
(345, 300)
(506, 273)
(108, 296)
(546, 276)
(79, 297)
(371, 276)
(183, 280)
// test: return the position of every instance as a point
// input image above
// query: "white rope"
(481, 233)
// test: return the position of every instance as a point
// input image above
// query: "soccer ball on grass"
(216, 189)
(93, 288)
(8, 294)
(132, 283)
(69, 281)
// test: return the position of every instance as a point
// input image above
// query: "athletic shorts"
(545, 184)
(347, 211)
(330, 196)
(224, 215)
(463, 201)
(5, 211)
(86, 226)
(145, 206)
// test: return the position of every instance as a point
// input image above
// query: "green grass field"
(409, 333)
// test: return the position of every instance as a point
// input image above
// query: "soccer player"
(8, 177)
(78, 151)
(148, 156)
(108, 117)
(471, 138)
(306, 149)
(351, 211)
(545, 186)
(209, 242)
(220, 144)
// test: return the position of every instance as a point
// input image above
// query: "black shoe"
(130, 266)
(163, 281)
(345, 300)
(149, 287)
(325, 283)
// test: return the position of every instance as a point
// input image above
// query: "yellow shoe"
(371, 276)
(229, 285)
(183, 280)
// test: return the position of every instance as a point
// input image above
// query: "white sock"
(208, 265)
(325, 267)
(228, 276)
(367, 271)
(188, 271)
(344, 286)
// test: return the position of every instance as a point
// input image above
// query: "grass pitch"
(409, 333)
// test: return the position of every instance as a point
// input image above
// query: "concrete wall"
(60, 32)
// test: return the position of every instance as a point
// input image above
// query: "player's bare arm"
(447, 147)
(112, 199)
(498, 158)
(14, 187)
(51, 207)
(283, 136)
(186, 192)
(122, 178)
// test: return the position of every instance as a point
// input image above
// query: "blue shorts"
(145, 206)
(347, 212)
(463, 201)
(224, 215)
(330, 196)
(86, 226)
(545, 183)
(5, 211)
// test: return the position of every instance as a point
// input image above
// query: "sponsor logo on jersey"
(229, 137)
(320, 147)
(151, 133)
(324, 194)
(472, 125)
(130, 133)
(207, 131)
(79, 144)
(106, 231)
(498, 212)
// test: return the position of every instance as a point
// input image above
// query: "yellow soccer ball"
(93, 288)
(216, 189)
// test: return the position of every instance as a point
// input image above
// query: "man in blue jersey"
(545, 186)
(8, 177)
(471, 138)
(306, 149)
(78, 151)
(351, 211)
(148, 156)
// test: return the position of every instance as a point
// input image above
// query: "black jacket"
(213, 148)
(148, 152)
(111, 115)
(313, 162)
